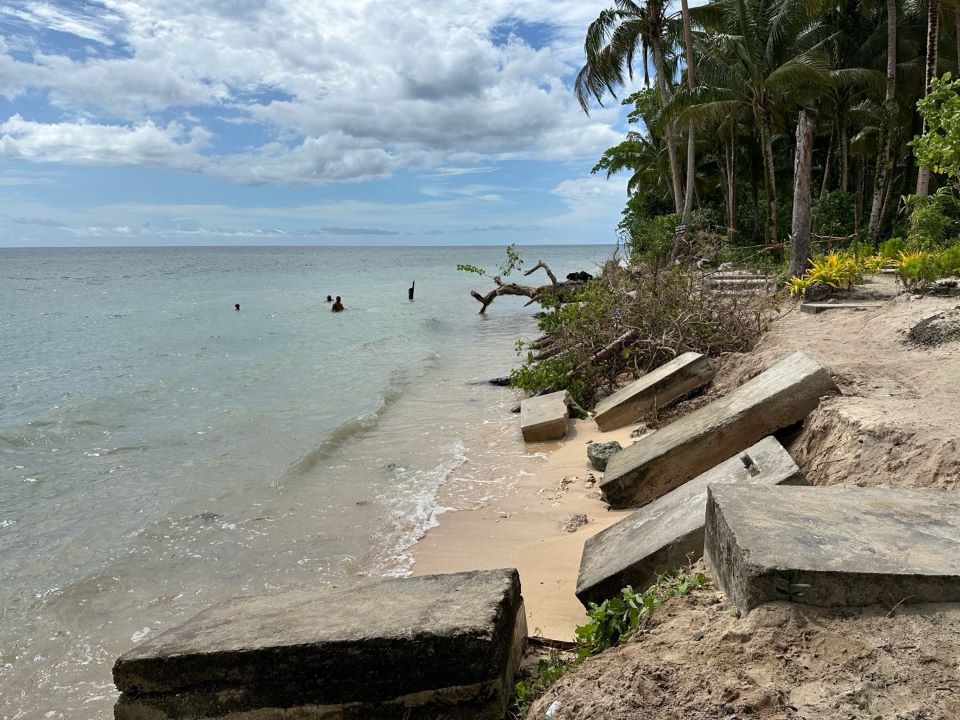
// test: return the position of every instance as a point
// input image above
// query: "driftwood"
(564, 290)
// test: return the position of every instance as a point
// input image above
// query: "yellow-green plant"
(918, 267)
(836, 269)
(877, 263)
(798, 286)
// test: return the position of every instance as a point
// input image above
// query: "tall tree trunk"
(844, 156)
(933, 35)
(660, 66)
(884, 172)
(769, 178)
(957, 37)
(825, 183)
(890, 181)
(691, 135)
(800, 243)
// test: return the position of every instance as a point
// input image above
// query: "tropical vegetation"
(793, 125)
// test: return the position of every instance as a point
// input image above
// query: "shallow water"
(160, 451)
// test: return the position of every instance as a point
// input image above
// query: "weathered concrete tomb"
(778, 397)
(659, 537)
(420, 647)
(544, 417)
(658, 388)
(833, 546)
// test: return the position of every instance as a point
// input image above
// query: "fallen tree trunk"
(564, 291)
(625, 339)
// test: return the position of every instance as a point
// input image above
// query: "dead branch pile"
(627, 322)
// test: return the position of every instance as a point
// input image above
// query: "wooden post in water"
(410, 291)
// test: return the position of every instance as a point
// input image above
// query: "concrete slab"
(780, 396)
(418, 647)
(544, 417)
(815, 308)
(658, 388)
(833, 546)
(658, 538)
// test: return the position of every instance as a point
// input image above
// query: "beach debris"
(833, 546)
(439, 646)
(662, 537)
(781, 396)
(544, 417)
(639, 431)
(574, 522)
(657, 389)
(600, 453)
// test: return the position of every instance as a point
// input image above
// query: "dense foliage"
(722, 129)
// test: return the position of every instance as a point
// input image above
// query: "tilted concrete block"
(658, 388)
(418, 647)
(659, 537)
(778, 397)
(544, 417)
(833, 546)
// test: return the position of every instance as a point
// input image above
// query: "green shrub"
(950, 260)
(928, 225)
(619, 617)
(652, 239)
(833, 214)
(893, 247)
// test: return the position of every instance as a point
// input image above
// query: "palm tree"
(933, 38)
(691, 132)
(885, 161)
(762, 59)
(612, 42)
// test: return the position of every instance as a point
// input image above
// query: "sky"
(343, 122)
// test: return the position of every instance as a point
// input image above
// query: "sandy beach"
(526, 530)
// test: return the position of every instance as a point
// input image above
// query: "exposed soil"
(699, 661)
(895, 424)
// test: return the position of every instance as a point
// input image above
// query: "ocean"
(161, 451)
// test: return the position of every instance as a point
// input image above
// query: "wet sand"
(525, 530)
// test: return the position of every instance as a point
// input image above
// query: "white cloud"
(86, 143)
(346, 89)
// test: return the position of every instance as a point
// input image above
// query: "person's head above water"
(338, 298)
(329, 299)
(236, 306)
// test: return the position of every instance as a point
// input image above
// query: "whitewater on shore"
(161, 451)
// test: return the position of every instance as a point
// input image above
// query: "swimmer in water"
(337, 306)
(236, 306)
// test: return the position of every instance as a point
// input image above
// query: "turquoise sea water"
(160, 451)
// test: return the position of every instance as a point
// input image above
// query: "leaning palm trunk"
(884, 173)
(800, 242)
(933, 35)
(671, 136)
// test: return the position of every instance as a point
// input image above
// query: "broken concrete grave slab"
(417, 647)
(833, 546)
(658, 388)
(544, 417)
(778, 397)
(659, 537)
